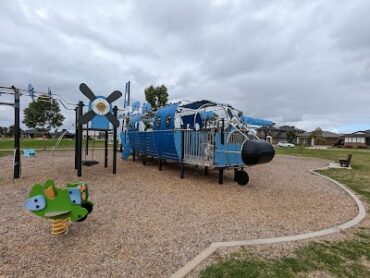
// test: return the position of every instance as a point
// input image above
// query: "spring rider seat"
(60, 205)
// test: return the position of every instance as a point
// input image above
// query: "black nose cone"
(257, 152)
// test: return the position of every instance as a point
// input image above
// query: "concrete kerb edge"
(188, 267)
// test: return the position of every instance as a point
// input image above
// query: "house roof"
(282, 128)
(365, 133)
(31, 131)
(325, 134)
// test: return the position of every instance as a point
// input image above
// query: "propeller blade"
(113, 120)
(86, 118)
(87, 92)
(114, 96)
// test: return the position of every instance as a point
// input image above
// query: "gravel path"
(150, 223)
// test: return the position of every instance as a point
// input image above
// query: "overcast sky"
(302, 63)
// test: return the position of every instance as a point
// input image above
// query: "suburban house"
(357, 139)
(276, 134)
(31, 133)
(34, 133)
(321, 138)
(64, 132)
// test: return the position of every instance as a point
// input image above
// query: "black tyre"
(241, 177)
(87, 206)
(83, 218)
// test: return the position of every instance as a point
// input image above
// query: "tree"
(317, 136)
(7, 131)
(291, 135)
(156, 96)
(3, 131)
(43, 115)
(10, 132)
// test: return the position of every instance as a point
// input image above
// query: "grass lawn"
(48, 144)
(346, 258)
(4, 153)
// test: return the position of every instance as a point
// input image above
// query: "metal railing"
(234, 138)
(199, 147)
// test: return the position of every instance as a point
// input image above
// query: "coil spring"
(59, 226)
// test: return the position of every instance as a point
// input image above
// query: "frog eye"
(74, 195)
(35, 203)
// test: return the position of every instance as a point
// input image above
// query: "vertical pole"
(128, 91)
(17, 156)
(106, 149)
(222, 131)
(221, 176)
(143, 158)
(182, 169)
(160, 164)
(115, 109)
(79, 147)
(133, 157)
(235, 171)
(87, 140)
(76, 137)
(206, 171)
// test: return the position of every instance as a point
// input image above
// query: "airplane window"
(158, 122)
(168, 120)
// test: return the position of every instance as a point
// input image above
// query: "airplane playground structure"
(202, 133)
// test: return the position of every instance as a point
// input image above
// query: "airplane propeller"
(100, 106)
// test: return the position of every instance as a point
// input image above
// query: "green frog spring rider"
(60, 205)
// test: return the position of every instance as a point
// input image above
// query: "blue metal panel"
(134, 123)
(178, 142)
(165, 117)
(227, 155)
(136, 106)
(166, 145)
(158, 144)
(146, 107)
(258, 122)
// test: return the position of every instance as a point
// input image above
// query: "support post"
(182, 168)
(182, 171)
(235, 171)
(206, 171)
(222, 131)
(76, 136)
(133, 157)
(221, 176)
(80, 136)
(17, 135)
(106, 149)
(160, 164)
(87, 139)
(143, 158)
(115, 109)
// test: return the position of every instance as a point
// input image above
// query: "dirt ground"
(150, 223)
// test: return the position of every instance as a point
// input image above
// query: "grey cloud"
(305, 63)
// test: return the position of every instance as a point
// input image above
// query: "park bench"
(345, 162)
(29, 153)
